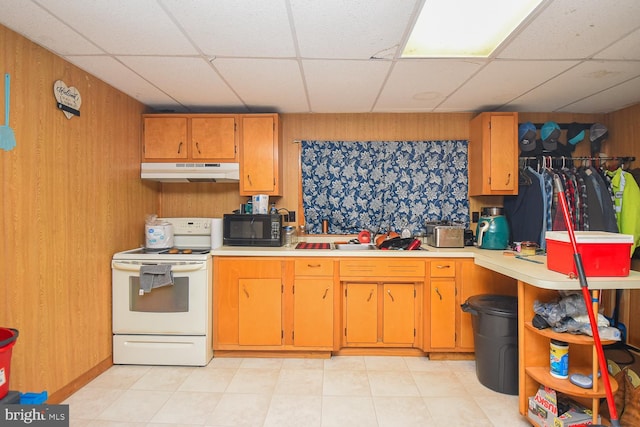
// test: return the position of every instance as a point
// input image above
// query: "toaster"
(445, 234)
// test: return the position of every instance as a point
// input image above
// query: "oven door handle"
(174, 268)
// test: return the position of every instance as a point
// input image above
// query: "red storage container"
(7, 340)
(603, 254)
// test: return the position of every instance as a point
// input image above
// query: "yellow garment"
(627, 204)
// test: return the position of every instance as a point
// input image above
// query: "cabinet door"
(260, 312)
(398, 324)
(361, 324)
(259, 155)
(504, 152)
(493, 154)
(165, 138)
(313, 312)
(213, 138)
(443, 313)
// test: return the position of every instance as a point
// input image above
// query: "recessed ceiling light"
(465, 28)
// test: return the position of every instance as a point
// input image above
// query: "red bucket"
(8, 338)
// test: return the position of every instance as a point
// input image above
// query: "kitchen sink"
(355, 246)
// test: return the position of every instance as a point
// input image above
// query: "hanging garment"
(627, 204)
(545, 205)
(602, 216)
(524, 211)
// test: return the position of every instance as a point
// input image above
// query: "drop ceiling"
(336, 56)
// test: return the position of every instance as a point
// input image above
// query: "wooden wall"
(71, 197)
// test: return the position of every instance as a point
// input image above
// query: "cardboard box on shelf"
(548, 409)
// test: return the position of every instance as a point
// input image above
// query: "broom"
(587, 299)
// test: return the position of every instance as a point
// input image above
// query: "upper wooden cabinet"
(260, 166)
(196, 137)
(493, 154)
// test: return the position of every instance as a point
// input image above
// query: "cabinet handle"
(179, 147)
(325, 293)
(508, 179)
(392, 298)
(244, 289)
(314, 265)
(198, 148)
(370, 295)
(440, 266)
(439, 294)
(249, 179)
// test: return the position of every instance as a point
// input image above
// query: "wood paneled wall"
(71, 197)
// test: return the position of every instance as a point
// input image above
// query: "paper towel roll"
(216, 232)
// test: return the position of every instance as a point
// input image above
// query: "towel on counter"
(155, 276)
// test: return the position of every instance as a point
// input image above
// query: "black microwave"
(252, 230)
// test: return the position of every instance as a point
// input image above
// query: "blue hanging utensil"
(7, 137)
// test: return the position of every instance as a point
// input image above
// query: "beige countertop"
(529, 272)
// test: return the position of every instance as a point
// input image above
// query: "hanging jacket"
(525, 211)
(627, 204)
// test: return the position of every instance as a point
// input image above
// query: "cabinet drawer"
(314, 267)
(443, 268)
(382, 268)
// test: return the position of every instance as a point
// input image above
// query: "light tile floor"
(342, 391)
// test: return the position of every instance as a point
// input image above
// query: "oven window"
(167, 299)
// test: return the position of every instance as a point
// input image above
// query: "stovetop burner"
(172, 251)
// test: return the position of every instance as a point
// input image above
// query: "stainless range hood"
(191, 172)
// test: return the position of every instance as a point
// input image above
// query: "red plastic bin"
(8, 338)
(603, 254)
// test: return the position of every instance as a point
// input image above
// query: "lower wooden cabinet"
(260, 312)
(269, 303)
(322, 304)
(379, 314)
(313, 300)
(247, 303)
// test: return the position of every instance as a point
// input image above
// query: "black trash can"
(495, 333)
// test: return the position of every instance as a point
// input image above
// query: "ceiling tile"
(265, 85)
(617, 97)
(117, 75)
(190, 81)
(572, 29)
(337, 86)
(579, 82)
(514, 77)
(123, 27)
(356, 29)
(422, 84)
(38, 25)
(626, 49)
(248, 28)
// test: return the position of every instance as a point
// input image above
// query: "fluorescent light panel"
(465, 28)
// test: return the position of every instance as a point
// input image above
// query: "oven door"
(178, 309)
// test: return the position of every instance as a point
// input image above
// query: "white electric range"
(170, 325)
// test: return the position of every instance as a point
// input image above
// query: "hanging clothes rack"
(561, 161)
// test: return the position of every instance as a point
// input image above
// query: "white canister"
(260, 204)
(159, 236)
